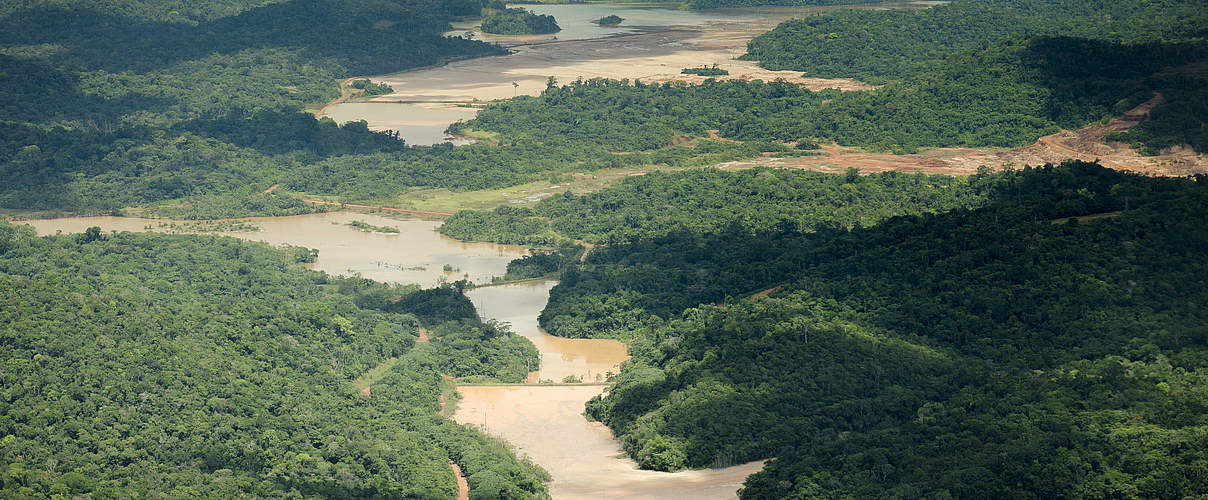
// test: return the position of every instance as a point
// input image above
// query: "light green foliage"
(163, 365)
(518, 21)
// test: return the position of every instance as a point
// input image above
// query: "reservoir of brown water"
(416, 254)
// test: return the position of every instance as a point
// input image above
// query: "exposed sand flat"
(546, 423)
(650, 57)
(653, 45)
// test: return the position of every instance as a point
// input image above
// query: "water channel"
(543, 421)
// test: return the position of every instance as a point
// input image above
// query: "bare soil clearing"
(1084, 144)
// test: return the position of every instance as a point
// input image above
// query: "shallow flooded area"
(653, 44)
(417, 124)
(546, 423)
(578, 20)
(416, 254)
(590, 360)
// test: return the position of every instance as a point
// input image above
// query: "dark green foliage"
(639, 117)
(705, 71)
(881, 45)
(708, 201)
(1180, 120)
(623, 287)
(542, 264)
(436, 305)
(987, 352)
(508, 225)
(1000, 72)
(219, 206)
(369, 88)
(277, 133)
(157, 365)
(518, 22)
(1004, 96)
(112, 106)
(610, 20)
(483, 351)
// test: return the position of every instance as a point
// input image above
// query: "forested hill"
(116, 103)
(1045, 345)
(882, 45)
(140, 365)
(965, 57)
(1006, 95)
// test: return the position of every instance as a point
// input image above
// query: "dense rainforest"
(1045, 344)
(147, 365)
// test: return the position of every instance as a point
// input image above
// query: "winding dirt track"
(463, 486)
(344, 95)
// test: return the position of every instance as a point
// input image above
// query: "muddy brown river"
(589, 360)
(416, 254)
(546, 423)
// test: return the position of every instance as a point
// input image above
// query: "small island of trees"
(705, 71)
(609, 20)
(519, 22)
(369, 88)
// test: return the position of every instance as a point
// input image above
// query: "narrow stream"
(546, 422)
